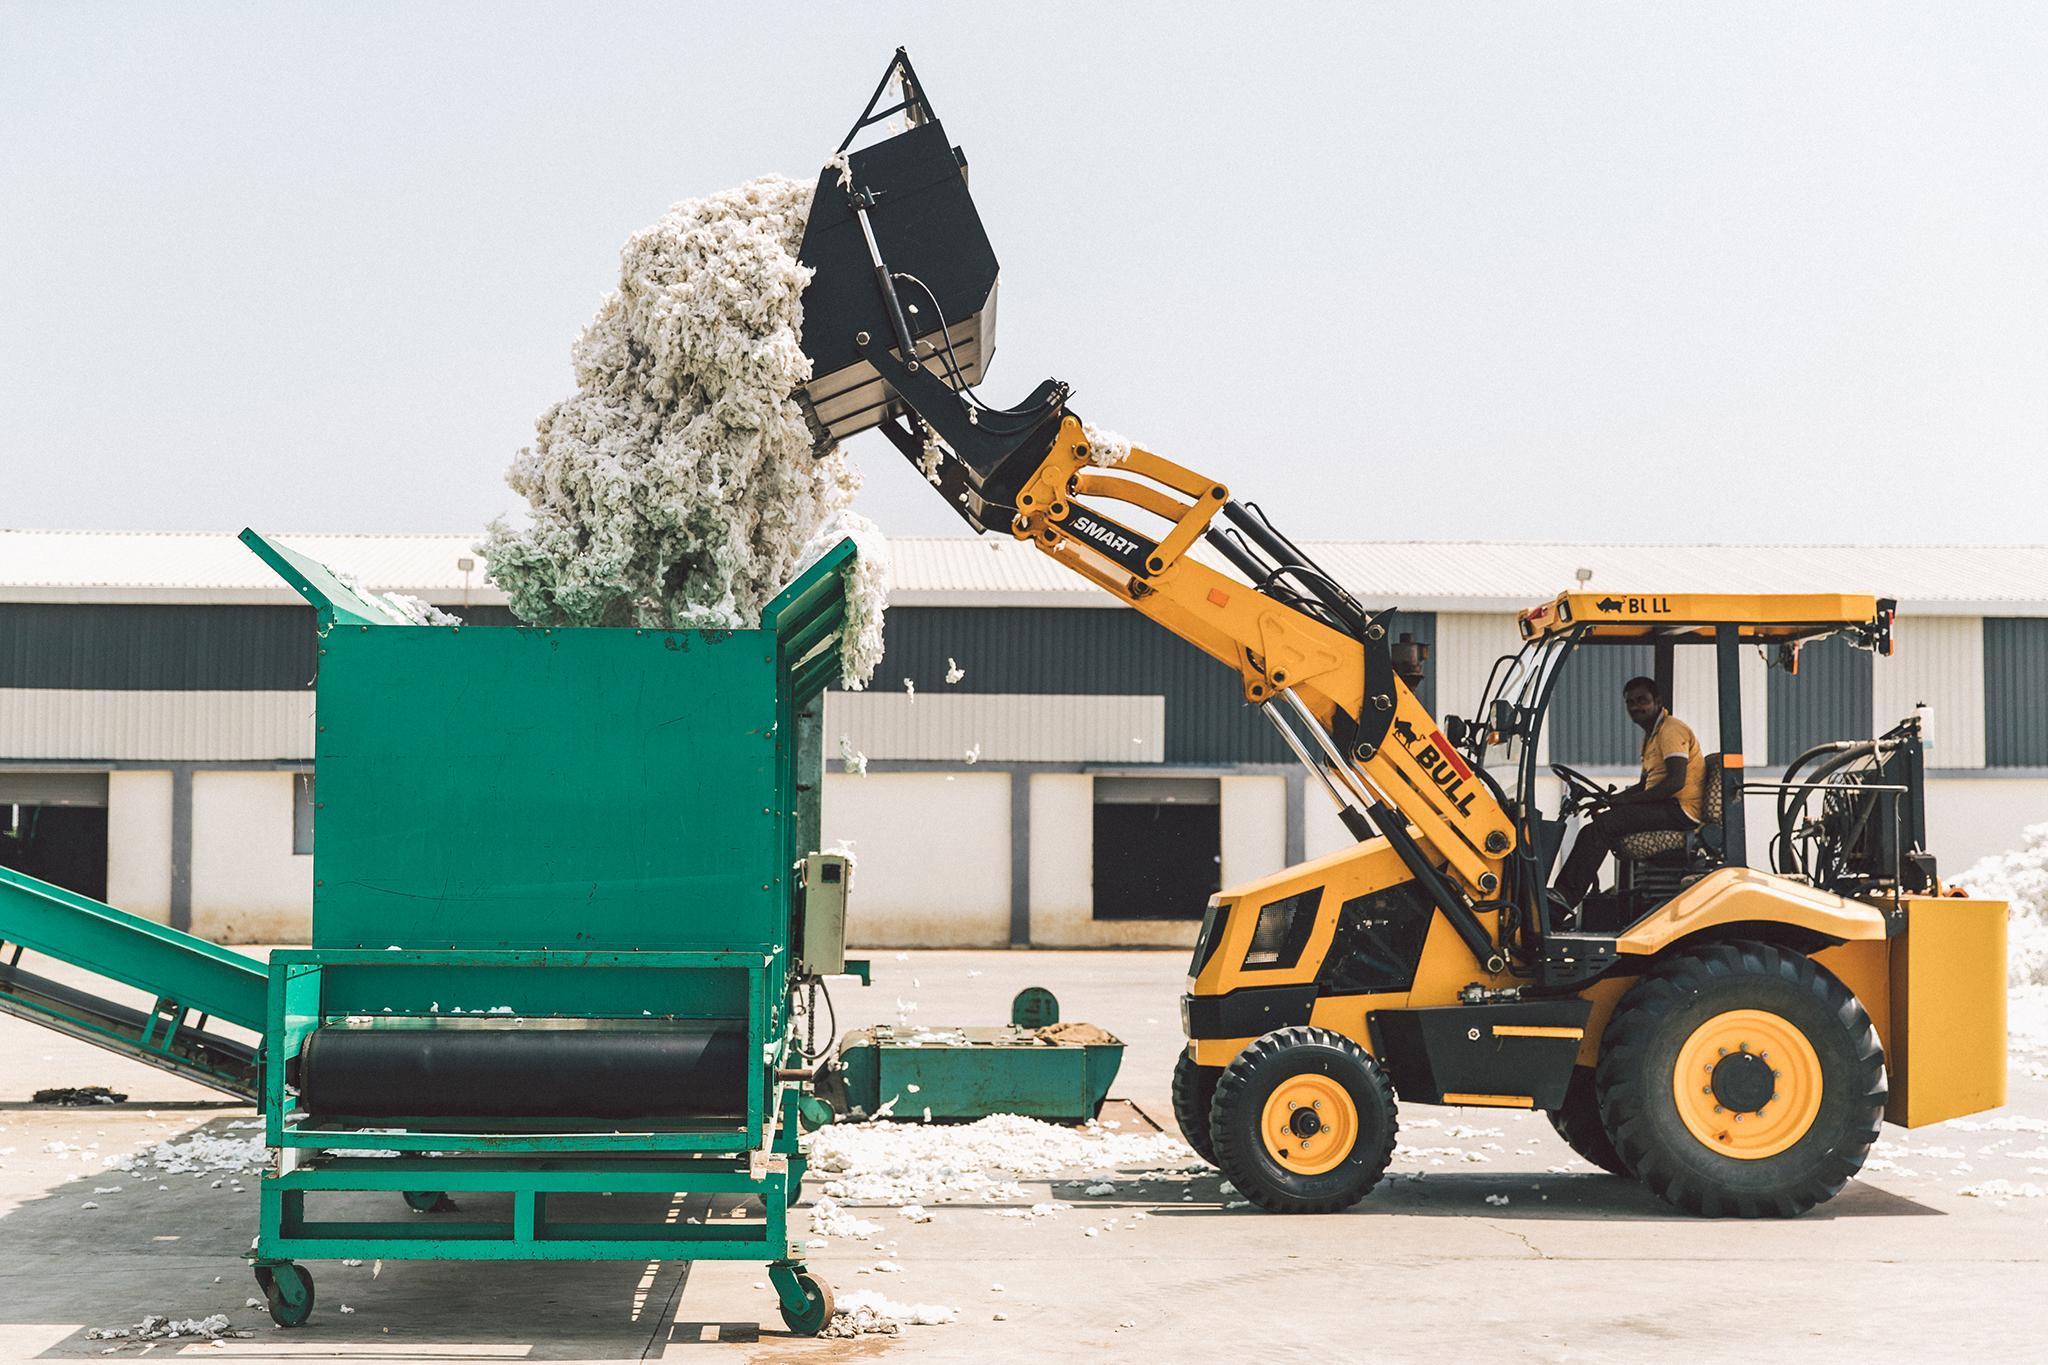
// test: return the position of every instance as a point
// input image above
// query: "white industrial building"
(1079, 783)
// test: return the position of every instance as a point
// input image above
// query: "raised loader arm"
(1316, 663)
(899, 325)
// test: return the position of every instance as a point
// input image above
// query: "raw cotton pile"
(866, 1313)
(681, 485)
(203, 1153)
(902, 1163)
(162, 1327)
(2020, 877)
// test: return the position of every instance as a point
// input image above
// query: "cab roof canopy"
(1693, 618)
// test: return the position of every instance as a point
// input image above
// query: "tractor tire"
(1741, 1080)
(1289, 1091)
(1577, 1121)
(1194, 1090)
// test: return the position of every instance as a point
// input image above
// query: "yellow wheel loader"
(1731, 1035)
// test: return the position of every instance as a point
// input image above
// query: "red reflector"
(1443, 746)
(1219, 597)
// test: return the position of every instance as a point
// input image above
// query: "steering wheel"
(1579, 789)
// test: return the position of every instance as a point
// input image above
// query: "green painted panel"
(502, 787)
(333, 601)
(977, 1071)
(134, 951)
(583, 992)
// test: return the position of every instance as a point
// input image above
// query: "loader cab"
(1548, 800)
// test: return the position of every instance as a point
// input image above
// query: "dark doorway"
(1158, 847)
(63, 845)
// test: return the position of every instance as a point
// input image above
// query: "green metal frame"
(288, 1233)
(528, 1164)
(298, 1004)
(194, 983)
(674, 884)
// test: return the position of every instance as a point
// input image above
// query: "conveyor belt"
(673, 1071)
(194, 983)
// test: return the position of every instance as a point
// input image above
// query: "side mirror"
(1503, 720)
(1456, 731)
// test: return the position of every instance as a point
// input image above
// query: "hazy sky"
(1744, 272)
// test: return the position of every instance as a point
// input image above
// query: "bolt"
(1317, 1105)
(1717, 1108)
(1724, 1052)
(1776, 1074)
(1738, 1118)
(1765, 1055)
(1706, 1090)
(1304, 1144)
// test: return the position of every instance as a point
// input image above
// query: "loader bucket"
(927, 229)
(899, 316)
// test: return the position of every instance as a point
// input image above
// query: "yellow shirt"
(1673, 738)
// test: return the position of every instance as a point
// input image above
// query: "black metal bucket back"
(902, 268)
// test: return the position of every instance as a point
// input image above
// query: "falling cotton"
(682, 485)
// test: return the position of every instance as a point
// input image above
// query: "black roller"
(680, 1071)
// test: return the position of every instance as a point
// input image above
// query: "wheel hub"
(1742, 1082)
(1309, 1124)
(1747, 1084)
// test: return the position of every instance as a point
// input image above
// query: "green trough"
(550, 843)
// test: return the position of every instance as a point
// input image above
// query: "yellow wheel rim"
(1309, 1124)
(1747, 1084)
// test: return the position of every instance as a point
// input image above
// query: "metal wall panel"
(97, 647)
(1056, 651)
(2015, 692)
(1829, 698)
(1696, 699)
(1938, 661)
(62, 723)
(999, 727)
(1587, 724)
(1053, 651)
(1467, 644)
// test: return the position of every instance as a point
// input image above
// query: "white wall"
(1938, 660)
(1974, 817)
(931, 857)
(247, 884)
(139, 843)
(1254, 825)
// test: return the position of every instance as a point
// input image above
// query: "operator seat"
(1658, 843)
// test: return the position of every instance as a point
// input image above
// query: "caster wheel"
(817, 1309)
(428, 1201)
(794, 1191)
(288, 1290)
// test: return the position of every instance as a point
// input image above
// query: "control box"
(824, 882)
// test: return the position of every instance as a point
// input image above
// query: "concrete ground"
(1574, 1265)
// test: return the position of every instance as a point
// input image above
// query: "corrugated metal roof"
(1502, 576)
(182, 566)
(960, 571)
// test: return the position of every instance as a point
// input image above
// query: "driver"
(1667, 797)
